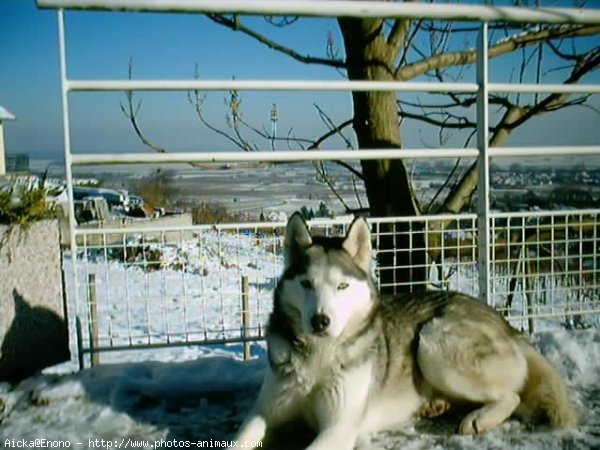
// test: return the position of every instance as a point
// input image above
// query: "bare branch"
(264, 134)
(513, 118)
(467, 102)
(397, 36)
(131, 111)
(320, 167)
(281, 22)
(409, 43)
(448, 59)
(591, 107)
(335, 130)
(567, 56)
(460, 124)
(197, 100)
(330, 124)
(237, 25)
(324, 177)
(554, 101)
(236, 118)
(502, 26)
(332, 51)
(538, 68)
(356, 193)
(444, 184)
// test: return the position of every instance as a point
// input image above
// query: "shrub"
(158, 189)
(210, 213)
(21, 205)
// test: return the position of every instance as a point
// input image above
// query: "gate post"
(483, 167)
(93, 304)
(246, 318)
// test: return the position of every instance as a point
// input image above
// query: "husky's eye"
(306, 284)
(342, 286)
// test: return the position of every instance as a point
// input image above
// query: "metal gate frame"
(482, 87)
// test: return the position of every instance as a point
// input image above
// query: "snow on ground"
(206, 399)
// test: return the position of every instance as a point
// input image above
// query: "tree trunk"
(401, 247)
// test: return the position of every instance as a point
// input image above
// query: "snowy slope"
(207, 398)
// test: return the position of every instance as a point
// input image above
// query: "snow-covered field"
(198, 395)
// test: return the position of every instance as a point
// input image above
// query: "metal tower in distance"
(274, 119)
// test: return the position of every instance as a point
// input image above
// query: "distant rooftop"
(5, 114)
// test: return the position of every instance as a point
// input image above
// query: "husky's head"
(326, 283)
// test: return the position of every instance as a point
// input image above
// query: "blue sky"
(100, 45)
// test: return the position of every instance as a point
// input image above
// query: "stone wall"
(33, 326)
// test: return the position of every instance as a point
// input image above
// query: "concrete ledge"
(179, 221)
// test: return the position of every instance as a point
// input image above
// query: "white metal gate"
(475, 249)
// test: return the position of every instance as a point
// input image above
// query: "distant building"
(17, 163)
(4, 116)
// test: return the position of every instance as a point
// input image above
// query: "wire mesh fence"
(214, 284)
(546, 265)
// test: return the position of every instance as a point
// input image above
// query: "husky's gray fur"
(350, 363)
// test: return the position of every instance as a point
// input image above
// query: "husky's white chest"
(299, 381)
(319, 367)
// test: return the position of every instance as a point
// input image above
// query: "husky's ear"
(358, 243)
(297, 238)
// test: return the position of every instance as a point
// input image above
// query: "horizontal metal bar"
(167, 230)
(320, 85)
(266, 225)
(338, 221)
(265, 85)
(424, 219)
(264, 156)
(324, 155)
(342, 8)
(550, 315)
(545, 151)
(118, 348)
(541, 214)
(545, 88)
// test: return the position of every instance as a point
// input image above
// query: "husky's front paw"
(472, 424)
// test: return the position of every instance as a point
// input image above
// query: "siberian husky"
(349, 363)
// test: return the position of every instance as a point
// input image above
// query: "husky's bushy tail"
(545, 393)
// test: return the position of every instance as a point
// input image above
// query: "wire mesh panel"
(546, 264)
(448, 248)
(156, 288)
(153, 288)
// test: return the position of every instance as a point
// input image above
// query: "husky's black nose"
(320, 322)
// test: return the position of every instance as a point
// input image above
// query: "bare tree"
(402, 50)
